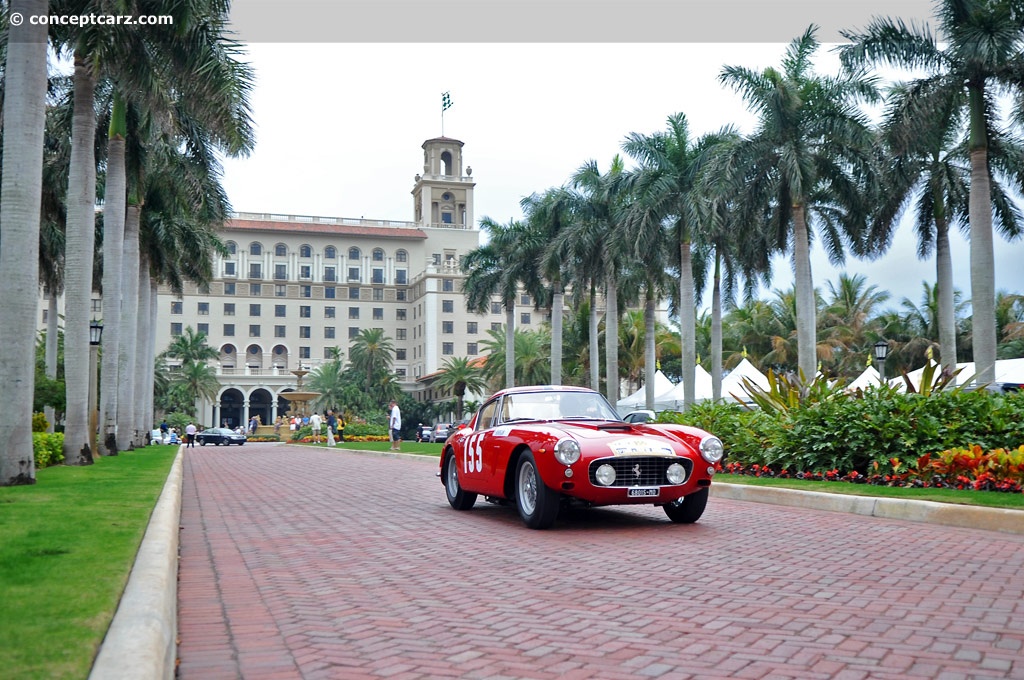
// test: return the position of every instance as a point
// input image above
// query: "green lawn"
(67, 545)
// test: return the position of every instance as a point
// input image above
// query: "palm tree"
(24, 120)
(329, 380)
(846, 323)
(981, 57)
(459, 375)
(372, 355)
(808, 162)
(193, 381)
(191, 346)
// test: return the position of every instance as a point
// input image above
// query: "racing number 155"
(474, 460)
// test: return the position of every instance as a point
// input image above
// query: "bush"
(48, 448)
(40, 423)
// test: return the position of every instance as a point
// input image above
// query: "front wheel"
(202, 442)
(537, 504)
(687, 509)
(458, 498)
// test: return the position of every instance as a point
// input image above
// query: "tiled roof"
(321, 228)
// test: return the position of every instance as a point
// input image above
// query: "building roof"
(339, 226)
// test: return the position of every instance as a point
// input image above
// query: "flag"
(446, 102)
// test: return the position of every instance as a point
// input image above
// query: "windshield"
(556, 405)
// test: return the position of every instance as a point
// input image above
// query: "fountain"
(299, 399)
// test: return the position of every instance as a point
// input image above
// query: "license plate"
(642, 492)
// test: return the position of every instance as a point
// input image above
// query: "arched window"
(305, 251)
(401, 256)
(255, 248)
(378, 255)
(330, 252)
(446, 161)
(280, 250)
(353, 253)
(232, 247)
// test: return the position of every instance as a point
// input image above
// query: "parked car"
(641, 416)
(439, 432)
(545, 446)
(424, 432)
(218, 436)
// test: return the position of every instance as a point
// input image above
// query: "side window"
(487, 416)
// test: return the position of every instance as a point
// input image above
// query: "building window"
(305, 312)
(400, 372)
(447, 327)
(232, 247)
(378, 275)
(229, 309)
(281, 272)
(328, 312)
(353, 332)
(378, 294)
(400, 295)
(524, 318)
(255, 289)
(279, 331)
(176, 306)
(471, 327)
(203, 328)
(330, 292)
(353, 312)
(254, 310)
(330, 274)
(447, 348)
(175, 329)
(229, 329)
(328, 332)
(378, 313)
(495, 308)
(353, 273)
(229, 269)
(401, 277)
(329, 352)
(525, 300)
(96, 305)
(229, 287)
(471, 348)
(256, 248)
(401, 256)
(353, 253)
(305, 272)
(378, 255)
(280, 250)
(305, 291)
(400, 334)
(495, 326)
(330, 253)
(303, 352)
(446, 218)
(203, 309)
(353, 292)
(400, 354)
(304, 331)
(448, 285)
(280, 290)
(305, 251)
(447, 306)
(254, 330)
(281, 310)
(400, 315)
(436, 259)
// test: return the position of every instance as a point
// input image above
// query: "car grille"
(651, 470)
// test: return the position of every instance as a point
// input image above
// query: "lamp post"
(881, 349)
(95, 337)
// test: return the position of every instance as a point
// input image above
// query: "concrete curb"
(945, 514)
(142, 639)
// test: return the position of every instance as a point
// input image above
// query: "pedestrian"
(163, 430)
(419, 433)
(332, 426)
(190, 436)
(315, 423)
(395, 426)
(277, 426)
(340, 430)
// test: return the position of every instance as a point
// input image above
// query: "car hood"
(629, 438)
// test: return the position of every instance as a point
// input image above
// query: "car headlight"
(711, 449)
(567, 451)
(676, 474)
(605, 475)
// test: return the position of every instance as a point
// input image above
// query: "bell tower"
(443, 194)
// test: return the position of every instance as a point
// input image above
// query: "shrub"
(39, 422)
(48, 448)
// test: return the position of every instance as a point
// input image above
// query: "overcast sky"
(340, 124)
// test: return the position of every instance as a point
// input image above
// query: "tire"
(687, 509)
(202, 442)
(458, 498)
(537, 504)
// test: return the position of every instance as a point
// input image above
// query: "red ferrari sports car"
(543, 446)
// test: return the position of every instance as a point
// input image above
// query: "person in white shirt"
(190, 436)
(315, 422)
(395, 426)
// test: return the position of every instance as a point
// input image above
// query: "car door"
(477, 465)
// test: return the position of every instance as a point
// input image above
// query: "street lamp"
(881, 349)
(95, 338)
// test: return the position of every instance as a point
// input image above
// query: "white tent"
(662, 386)
(674, 400)
(1007, 371)
(869, 377)
(733, 384)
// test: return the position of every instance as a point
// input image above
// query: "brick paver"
(308, 563)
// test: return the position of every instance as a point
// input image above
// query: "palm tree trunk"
(650, 353)
(127, 425)
(611, 339)
(716, 330)
(510, 343)
(557, 305)
(595, 349)
(24, 116)
(944, 283)
(687, 324)
(52, 347)
(114, 200)
(78, 264)
(983, 282)
(143, 368)
(150, 365)
(806, 321)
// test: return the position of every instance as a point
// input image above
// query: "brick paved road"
(299, 563)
